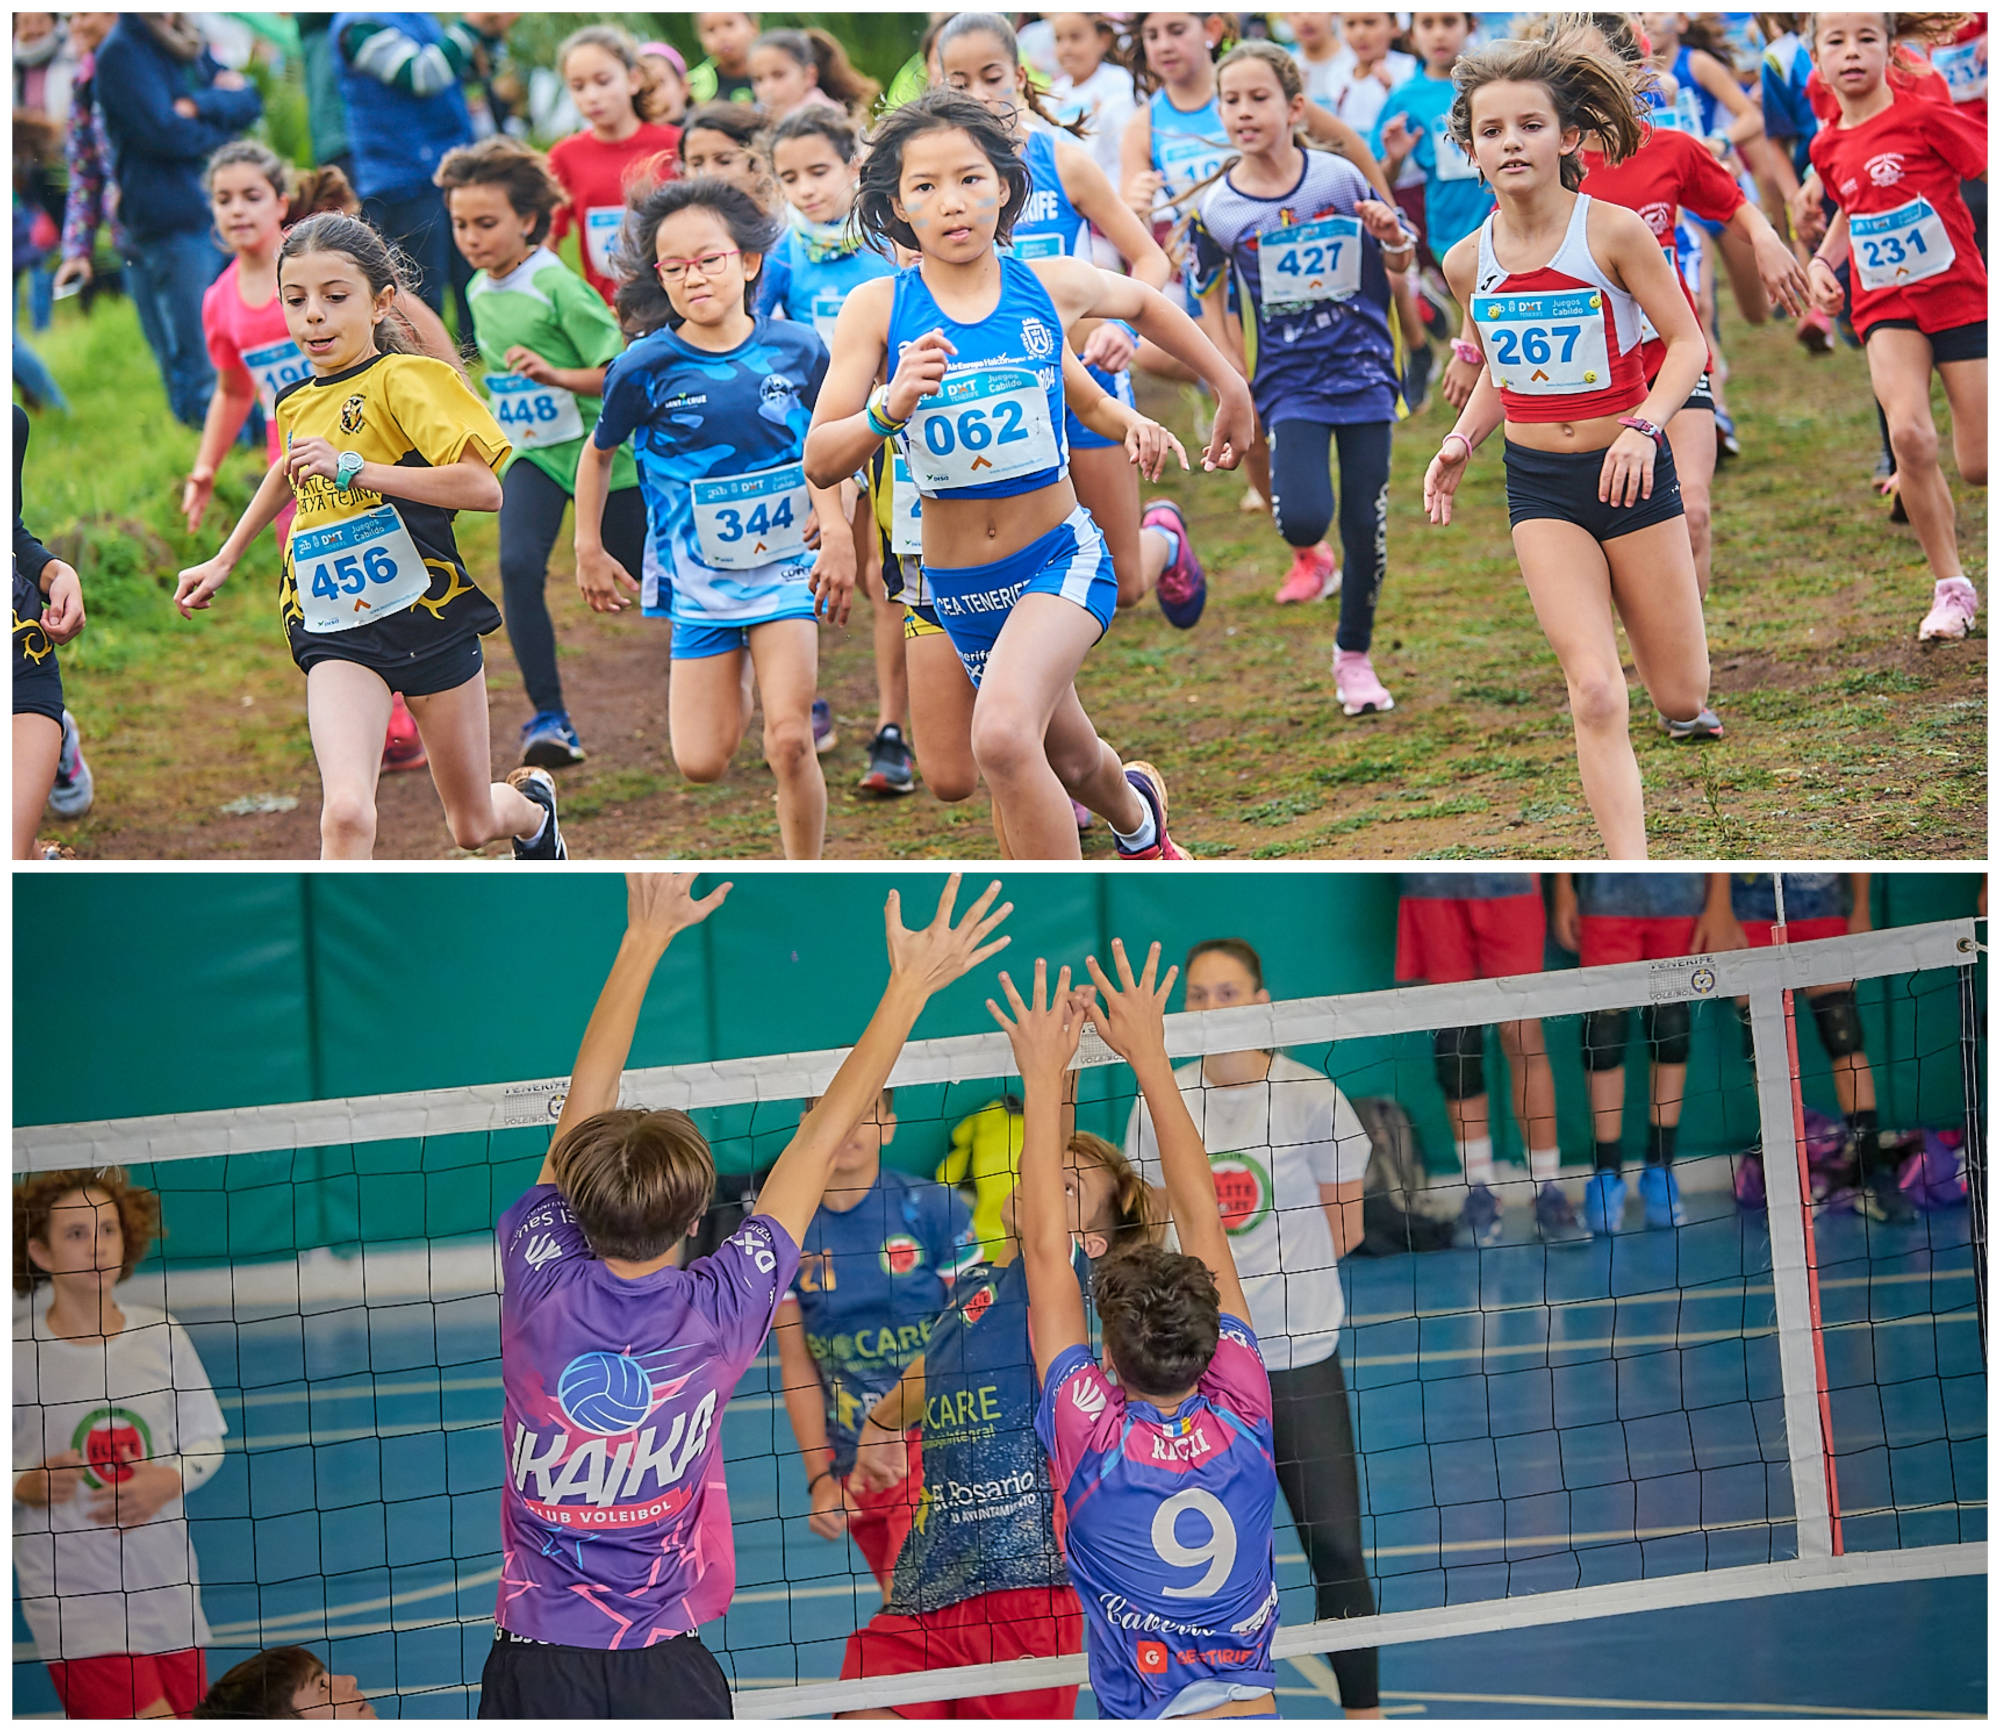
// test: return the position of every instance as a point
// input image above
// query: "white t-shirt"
(1271, 1145)
(1103, 102)
(1359, 97)
(85, 1586)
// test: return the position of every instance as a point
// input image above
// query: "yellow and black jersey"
(902, 580)
(412, 412)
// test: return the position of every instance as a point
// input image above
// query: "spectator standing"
(91, 202)
(326, 114)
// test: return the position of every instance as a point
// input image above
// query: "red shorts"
(1007, 1624)
(117, 1686)
(1635, 938)
(1797, 931)
(1442, 939)
(881, 1519)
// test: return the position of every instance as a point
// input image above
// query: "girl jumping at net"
(383, 448)
(1016, 569)
(1555, 286)
(1167, 1475)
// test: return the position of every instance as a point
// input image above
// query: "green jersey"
(541, 304)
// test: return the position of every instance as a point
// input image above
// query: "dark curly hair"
(874, 214)
(518, 170)
(642, 302)
(1162, 1316)
(37, 1195)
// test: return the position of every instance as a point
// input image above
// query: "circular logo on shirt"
(901, 1255)
(111, 1440)
(1242, 1191)
(1037, 338)
(350, 414)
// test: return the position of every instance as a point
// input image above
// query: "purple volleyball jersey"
(614, 1519)
(1169, 1529)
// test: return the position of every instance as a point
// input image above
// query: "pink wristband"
(1466, 352)
(1461, 438)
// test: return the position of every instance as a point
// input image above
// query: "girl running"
(979, 381)
(1094, 91)
(625, 131)
(790, 69)
(1068, 196)
(721, 139)
(717, 410)
(546, 341)
(1555, 285)
(382, 447)
(1305, 242)
(1893, 161)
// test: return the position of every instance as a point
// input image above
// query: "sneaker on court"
(1183, 586)
(74, 788)
(1662, 1191)
(1152, 788)
(1083, 815)
(540, 787)
(1706, 725)
(1314, 575)
(1479, 1220)
(889, 768)
(1555, 1220)
(549, 742)
(824, 738)
(1815, 333)
(1881, 1199)
(1355, 684)
(403, 746)
(1604, 1202)
(1954, 604)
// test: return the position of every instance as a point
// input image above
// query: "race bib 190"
(742, 522)
(273, 367)
(532, 415)
(986, 424)
(1315, 261)
(362, 568)
(1545, 345)
(1899, 246)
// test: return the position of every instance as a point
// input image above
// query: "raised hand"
(1132, 1016)
(1044, 1032)
(935, 955)
(919, 373)
(660, 904)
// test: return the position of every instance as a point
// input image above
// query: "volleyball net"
(1781, 1393)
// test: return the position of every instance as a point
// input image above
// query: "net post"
(1975, 1135)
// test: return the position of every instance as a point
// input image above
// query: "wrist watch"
(1639, 424)
(346, 469)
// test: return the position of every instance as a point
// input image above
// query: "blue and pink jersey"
(1169, 1530)
(614, 1519)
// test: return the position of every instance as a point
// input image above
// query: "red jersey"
(1961, 63)
(598, 178)
(1911, 239)
(1669, 173)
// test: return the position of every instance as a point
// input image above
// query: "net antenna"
(424, 1627)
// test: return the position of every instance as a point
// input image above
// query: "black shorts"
(37, 679)
(676, 1679)
(1958, 343)
(1563, 485)
(440, 670)
(1702, 396)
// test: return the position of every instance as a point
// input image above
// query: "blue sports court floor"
(1527, 1420)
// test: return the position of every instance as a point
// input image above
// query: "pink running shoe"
(1952, 609)
(1355, 684)
(1183, 588)
(1083, 815)
(1152, 787)
(1314, 575)
(1814, 332)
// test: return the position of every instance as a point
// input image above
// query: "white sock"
(1477, 1155)
(1543, 1164)
(1145, 836)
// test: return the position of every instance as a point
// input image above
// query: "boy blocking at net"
(615, 1530)
(1167, 1476)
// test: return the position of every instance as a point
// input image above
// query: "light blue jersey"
(810, 273)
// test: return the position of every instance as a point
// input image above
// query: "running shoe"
(1706, 725)
(1604, 1202)
(1555, 1220)
(1083, 815)
(1662, 1191)
(403, 747)
(889, 767)
(1152, 788)
(1314, 575)
(1727, 446)
(1815, 333)
(1881, 1199)
(540, 787)
(1953, 606)
(549, 742)
(1479, 1220)
(74, 788)
(824, 738)
(47, 848)
(1355, 684)
(1183, 586)
(1417, 378)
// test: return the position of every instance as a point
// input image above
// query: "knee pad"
(1670, 1027)
(1839, 1020)
(1460, 1055)
(1604, 1034)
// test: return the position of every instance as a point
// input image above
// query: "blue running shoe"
(1555, 1220)
(549, 742)
(824, 738)
(1604, 1202)
(1183, 587)
(540, 787)
(1662, 1192)
(1479, 1221)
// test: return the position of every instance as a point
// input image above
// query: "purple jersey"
(614, 1519)
(1169, 1530)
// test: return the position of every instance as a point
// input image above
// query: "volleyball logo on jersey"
(111, 1440)
(1242, 1190)
(901, 1254)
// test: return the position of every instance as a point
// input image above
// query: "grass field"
(1845, 740)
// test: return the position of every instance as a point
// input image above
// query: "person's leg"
(707, 710)
(1534, 1095)
(1107, 486)
(1301, 495)
(143, 284)
(1899, 367)
(786, 656)
(1653, 587)
(37, 384)
(193, 261)
(1363, 448)
(531, 512)
(941, 700)
(1569, 582)
(37, 746)
(456, 730)
(1691, 433)
(892, 680)
(1965, 391)
(347, 712)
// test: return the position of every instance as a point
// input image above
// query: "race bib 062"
(986, 424)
